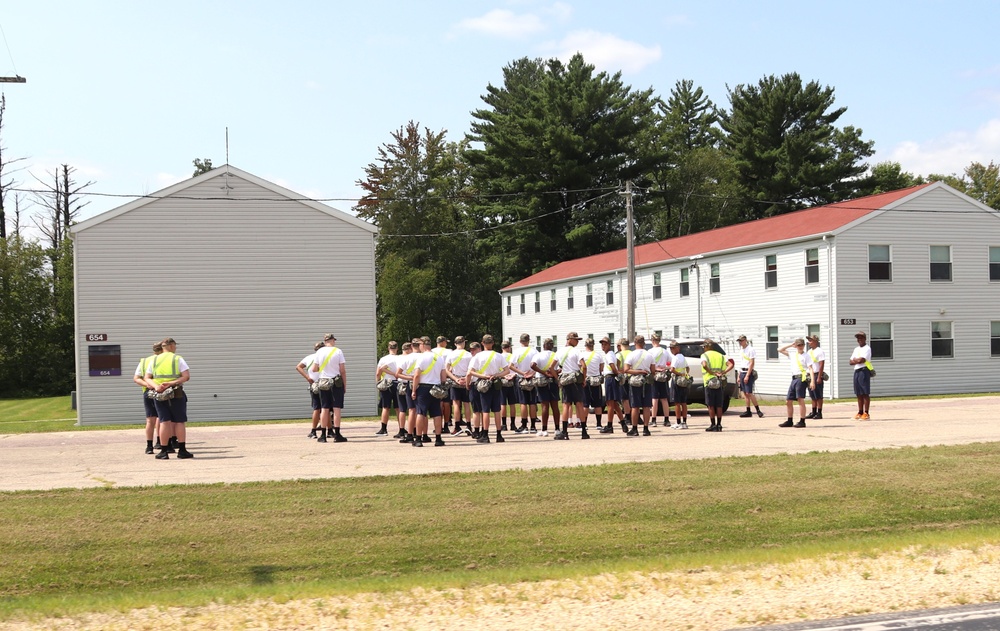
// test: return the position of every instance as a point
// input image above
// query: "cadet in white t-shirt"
(521, 365)
(546, 365)
(661, 384)
(592, 364)
(330, 364)
(817, 361)
(386, 367)
(612, 389)
(679, 368)
(489, 365)
(797, 388)
(746, 379)
(305, 368)
(639, 363)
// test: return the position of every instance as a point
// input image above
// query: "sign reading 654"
(97, 337)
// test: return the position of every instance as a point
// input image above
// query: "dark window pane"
(880, 272)
(812, 274)
(590, 300)
(881, 349)
(772, 350)
(994, 271)
(508, 309)
(552, 305)
(610, 298)
(569, 302)
(995, 347)
(771, 279)
(685, 290)
(714, 285)
(940, 271)
(942, 348)
(522, 308)
(656, 292)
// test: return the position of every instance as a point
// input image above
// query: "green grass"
(55, 414)
(73, 550)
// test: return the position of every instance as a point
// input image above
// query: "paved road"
(984, 617)
(273, 452)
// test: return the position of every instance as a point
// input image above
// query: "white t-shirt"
(543, 360)
(389, 363)
(639, 359)
(816, 355)
(404, 364)
(521, 358)
(488, 363)
(661, 357)
(679, 362)
(332, 367)
(458, 361)
(610, 359)
(799, 362)
(568, 359)
(594, 360)
(308, 361)
(429, 366)
(862, 352)
(746, 355)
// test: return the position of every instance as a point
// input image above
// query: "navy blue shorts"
(548, 393)
(427, 404)
(387, 397)
(715, 398)
(403, 396)
(460, 395)
(612, 389)
(572, 393)
(314, 399)
(680, 395)
(149, 405)
(490, 400)
(816, 392)
(640, 396)
(332, 398)
(661, 389)
(525, 397)
(862, 382)
(509, 394)
(796, 389)
(747, 385)
(593, 397)
(173, 410)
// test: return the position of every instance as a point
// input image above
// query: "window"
(555, 341)
(657, 290)
(942, 343)
(677, 331)
(509, 308)
(522, 304)
(611, 338)
(772, 342)
(552, 300)
(770, 271)
(590, 295)
(590, 336)
(811, 329)
(812, 266)
(685, 284)
(941, 263)
(538, 302)
(569, 299)
(609, 297)
(881, 340)
(538, 342)
(658, 334)
(994, 263)
(879, 264)
(995, 338)
(105, 360)
(714, 284)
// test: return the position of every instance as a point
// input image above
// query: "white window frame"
(770, 271)
(878, 340)
(812, 266)
(938, 336)
(931, 263)
(657, 287)
(685, 284)
(715, 278)
(871, 262)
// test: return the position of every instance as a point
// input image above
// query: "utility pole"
(630, 245)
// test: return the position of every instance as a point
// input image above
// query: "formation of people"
(161, 377)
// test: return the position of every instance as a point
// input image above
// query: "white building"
(917, 269)
(245, 275)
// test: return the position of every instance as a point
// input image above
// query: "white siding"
(911, 301)
(936, 216)
(246, 288)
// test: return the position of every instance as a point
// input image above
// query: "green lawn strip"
(73, 550)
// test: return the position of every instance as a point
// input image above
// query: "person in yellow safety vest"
(150, 407)
(714, 364)
(169, 370)
(801, 374)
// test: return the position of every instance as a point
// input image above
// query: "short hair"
(158, 346)
(318, 345)
(475, 346)
(525, 338)
(487, 339)
(407, 346)
(393, 344)
(547, 343)
(589, 343)
(505, 344)
(425, 340)
(640, 340)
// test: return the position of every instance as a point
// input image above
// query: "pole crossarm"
(17, 79)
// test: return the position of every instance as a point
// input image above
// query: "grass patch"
(73, 550)
(55, 414)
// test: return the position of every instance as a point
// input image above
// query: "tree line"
(536, 179)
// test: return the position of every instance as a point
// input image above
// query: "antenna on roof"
(227, 187)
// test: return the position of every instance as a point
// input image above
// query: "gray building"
(245, 275)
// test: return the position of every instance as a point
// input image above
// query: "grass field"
(76, 550)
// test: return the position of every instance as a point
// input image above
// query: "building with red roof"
(917, 269)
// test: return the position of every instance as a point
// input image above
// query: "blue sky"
(130, 92)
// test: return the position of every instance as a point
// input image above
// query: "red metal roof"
(801, 223)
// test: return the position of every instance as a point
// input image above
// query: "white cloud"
(607, 52)
(950, 153)
(503, 23)
(561, 11)
(163, 180)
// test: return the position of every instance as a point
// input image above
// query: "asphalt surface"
(258, 452)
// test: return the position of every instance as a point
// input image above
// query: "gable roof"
(208, 175)
(828, 219)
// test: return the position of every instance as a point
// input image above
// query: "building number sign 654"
(97, 337)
